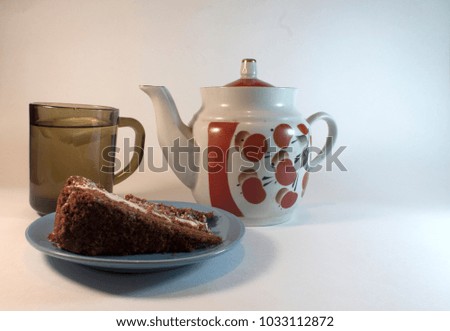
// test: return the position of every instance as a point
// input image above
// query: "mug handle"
(138, 151)
(331, 139)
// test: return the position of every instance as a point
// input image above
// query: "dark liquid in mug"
(66, 147)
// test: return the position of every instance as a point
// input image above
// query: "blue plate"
(225, 225)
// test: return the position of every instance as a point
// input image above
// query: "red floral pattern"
(253, 147)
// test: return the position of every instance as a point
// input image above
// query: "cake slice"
(92, 221)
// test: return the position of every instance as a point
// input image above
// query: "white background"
(373, 237)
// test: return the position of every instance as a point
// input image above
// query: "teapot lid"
(248, 76)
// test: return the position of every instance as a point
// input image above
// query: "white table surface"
(330, 256)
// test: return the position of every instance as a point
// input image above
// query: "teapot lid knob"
(248, 75)
(248, 68)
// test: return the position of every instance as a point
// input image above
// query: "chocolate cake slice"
(92, 221)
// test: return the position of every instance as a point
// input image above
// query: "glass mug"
(75, 139)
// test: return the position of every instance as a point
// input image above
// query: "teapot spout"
(175, 137)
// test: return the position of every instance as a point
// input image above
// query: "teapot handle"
(331, 138)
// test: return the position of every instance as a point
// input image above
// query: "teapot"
(247, 150)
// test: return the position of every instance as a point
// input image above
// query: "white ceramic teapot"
(246, 150)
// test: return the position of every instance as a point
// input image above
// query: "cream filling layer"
(113, 197)
(117, 198)
(183, 220)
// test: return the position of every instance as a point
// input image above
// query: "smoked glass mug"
(75, 139)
